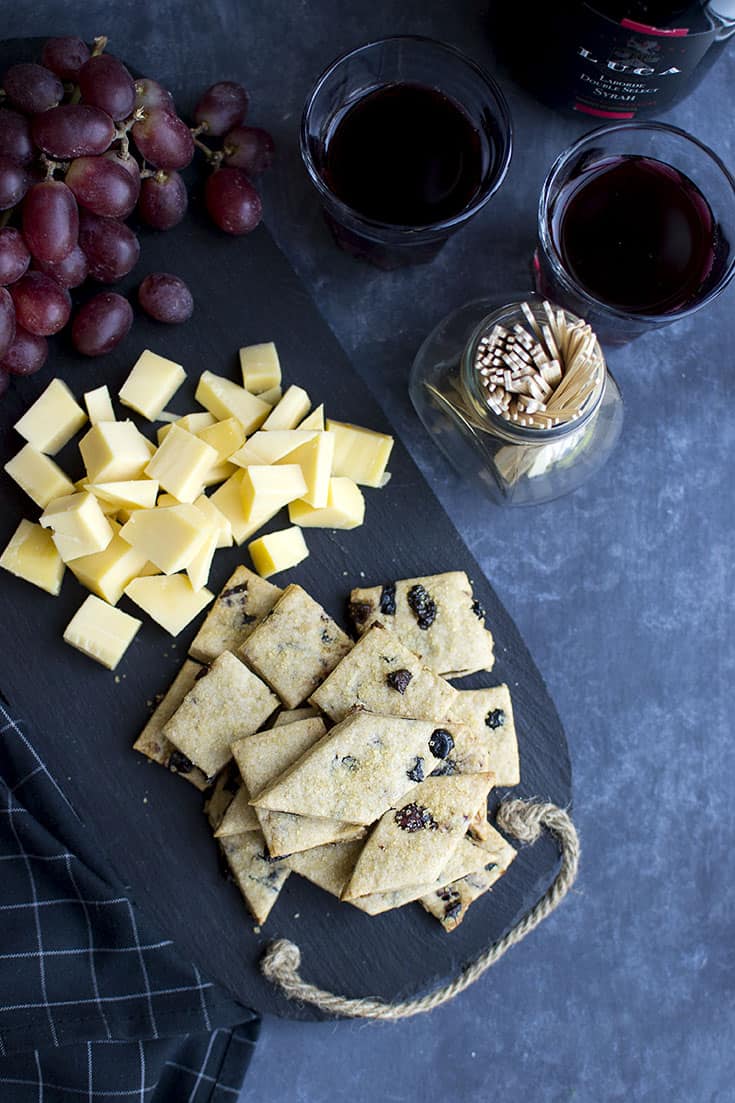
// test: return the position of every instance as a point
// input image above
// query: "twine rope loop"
(525, 820)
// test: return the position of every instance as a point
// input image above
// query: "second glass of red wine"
(636, 228)
(405, 140)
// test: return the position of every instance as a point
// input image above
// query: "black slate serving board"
(83, 719)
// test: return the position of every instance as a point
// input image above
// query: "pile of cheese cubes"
(139, 521)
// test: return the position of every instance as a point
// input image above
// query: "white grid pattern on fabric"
(90, 936)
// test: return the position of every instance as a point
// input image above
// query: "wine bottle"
(613, 59)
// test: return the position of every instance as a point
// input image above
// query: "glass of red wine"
(636, 228)
(405, 140)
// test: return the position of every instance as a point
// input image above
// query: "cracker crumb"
(117, 679)
(256, 930)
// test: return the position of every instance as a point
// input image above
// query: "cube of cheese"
(152, 382)
(78, 525)
(224, 399)
(32, 556)
(272, 396)
(269, 488)
(133, 494)
(261, 369)
(315, 420)
(293, 408)
(315, 460)
(229, 500)
(99, 405)
(265, 448)
(216, 519)
(224, 436)
(41, 478)
(171, 602)
(169, 537)
(108, 572)
(52, 420)
(278, 551)
(101, 631)
(359, 454)
(181, 463)
(200, 566)
(114, 451)
(345, 508)
(191, 422)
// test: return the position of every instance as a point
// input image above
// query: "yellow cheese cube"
(266, 448)
(272, 396)
(152, 382)
(101, 631)
(359, 454)
(171, 602)
(315, 420)
(269, 488)
(132, 494)
(52, 420)
(32, 555)
(191, 422)
(277, 551)
(315, 460)
(261, 369)
(218, 474)
(345, 508)
(181, 464)
(114, 451)
(108, 572)
(200, 566)
(41, 478)
(78, 525)
(293, 408)
(169, 537)
(224, 399)
(99, 405)
(229, 500)
(216, 519)
(225, 437)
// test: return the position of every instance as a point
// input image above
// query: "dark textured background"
(623, 593)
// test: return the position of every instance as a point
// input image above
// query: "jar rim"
(512, 430)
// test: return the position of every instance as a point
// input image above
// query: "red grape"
(50, 220)
(15, 136)
(125, 161)
(105, 83)
(14, 255)
(111, 247)
(149, 94)
(69, 272)
(73, 130)
(102, 186)
(164, 139)
(41, 306)
(13, 183)
(7, 321)
(101, 324)
(26, 355)
(249, 148)
(166, 298)
(163, 202)
(4, 382)
(232, 201)
(32, 88)
(65, 56)
(222, 106)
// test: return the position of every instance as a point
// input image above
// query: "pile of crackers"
(356, 765)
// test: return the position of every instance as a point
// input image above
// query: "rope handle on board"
(522, 819)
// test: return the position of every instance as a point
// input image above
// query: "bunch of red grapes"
(70, 129)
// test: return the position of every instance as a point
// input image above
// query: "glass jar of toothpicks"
(519, 397)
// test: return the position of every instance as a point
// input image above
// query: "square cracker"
(383, 676)
(489, 714)
(329, 867)
(226, 703)
(414, 840)
(449, 903)
(239, 816)
(243, 602)
(296, 646)
(259, 877)
(153, 743)
(436, 617)
(262, 758)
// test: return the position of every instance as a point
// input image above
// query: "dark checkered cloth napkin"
(94, 1004)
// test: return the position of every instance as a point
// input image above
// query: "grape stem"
(51, 166)
(214, 158)
(98, 45)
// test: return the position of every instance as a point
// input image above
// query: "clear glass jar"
(513, 464)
